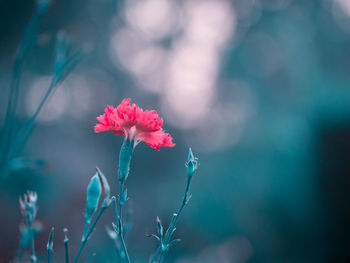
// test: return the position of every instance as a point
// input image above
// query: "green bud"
(124, 159)
(93, 196)
(105, 187)
(50, 242)
(192, 163)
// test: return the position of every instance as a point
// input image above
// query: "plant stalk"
(33, 258)
(159, 254)
(120, 222)
(86, 236)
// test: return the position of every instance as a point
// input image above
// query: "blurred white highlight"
(344, 5)
(155, 18)
(81, 96)
(55, 105)
(194, 61)
(341, 14)
(175, 48)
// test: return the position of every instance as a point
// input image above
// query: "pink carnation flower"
(134, 123)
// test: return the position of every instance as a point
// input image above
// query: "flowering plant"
(136, 125)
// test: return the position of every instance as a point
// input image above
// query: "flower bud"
(93, 196)
(28, 205)
(124, 159)
(65, 231)
(192, 163)
(105, 187)
(50, 242)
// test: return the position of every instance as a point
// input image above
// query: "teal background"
(273, 143)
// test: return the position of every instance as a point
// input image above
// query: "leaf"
(173, 242)
(160, 228)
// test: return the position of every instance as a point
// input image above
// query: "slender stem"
(120, 220)
(123, 172)
(176, 217)
(86, 236)
(156, 254)
(49, 245)
(28, 127)
(21, 51)
(121, 201)
(114, 201)
(49, 255)
(160, 251)
(161, 257)
(66, 245)
(11, 110)
(53, 84)
(15, 86)
(127, 225)
(116, 241)
(66, 251)
(9, 122)
(23, 48)
(125, 249)
(33, 258)
(82, 244)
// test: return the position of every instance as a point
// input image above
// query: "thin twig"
(85, 237)
(66, 244)
(164, 244)
(49, 245)
(120, 221)
(33, 258)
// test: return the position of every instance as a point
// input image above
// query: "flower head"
(135, 124)
(28, 205)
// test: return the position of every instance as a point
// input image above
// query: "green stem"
(114, 201)
(11, 110)
(124, 248)
(176, 217)
(123, 172)
(49, 255)
(66, 251)
(66, 245)
(161, 257)
(120, 221)
(127, 225)
(23, 48)
(119, 249)
(33, 258)
(156, 254)
(82, 244)
(86, 236)
(121, 201)
(15, 86)
(28, 127)
(160, 251)
(49, 245)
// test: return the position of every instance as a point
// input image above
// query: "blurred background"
(259, 89)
